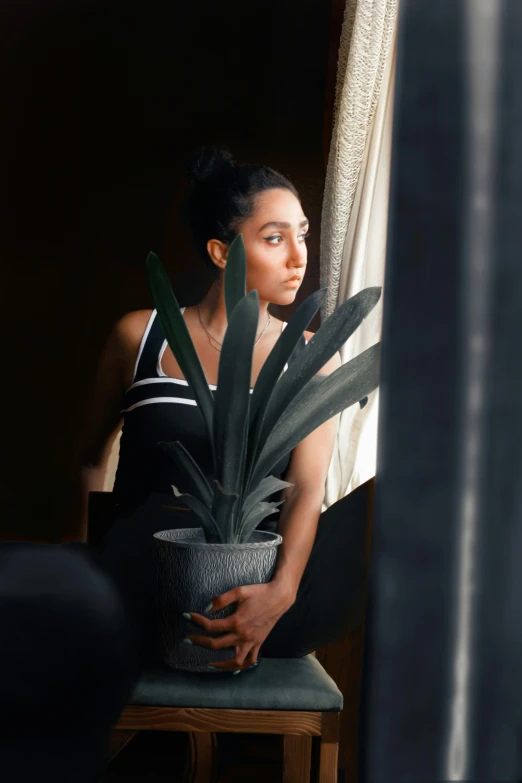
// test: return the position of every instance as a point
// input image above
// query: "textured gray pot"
(189, 573)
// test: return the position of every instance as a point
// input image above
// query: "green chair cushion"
(276, 684)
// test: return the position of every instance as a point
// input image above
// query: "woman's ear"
(217, 251)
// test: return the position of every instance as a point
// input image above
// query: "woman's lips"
(294, 282)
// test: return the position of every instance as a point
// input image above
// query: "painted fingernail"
(237, 672)
(187, 616)
(211, 667)
(208, 608)
(187, 641)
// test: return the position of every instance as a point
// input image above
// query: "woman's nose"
(298, 254)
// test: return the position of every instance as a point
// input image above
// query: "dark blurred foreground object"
(66, 663)
(443, 683)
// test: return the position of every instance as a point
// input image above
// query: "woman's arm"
(301, 510)
(102, 419)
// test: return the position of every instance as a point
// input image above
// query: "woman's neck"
(213, 312)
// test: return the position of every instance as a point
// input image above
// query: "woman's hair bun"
(207, 162)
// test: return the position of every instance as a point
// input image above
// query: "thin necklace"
(213, 340)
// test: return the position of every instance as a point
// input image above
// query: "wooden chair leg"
(297, 758)
(329, 758)
(118, 739)
(202, 756)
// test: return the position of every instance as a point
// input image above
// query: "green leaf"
(225, 510)
(232, 397)
(255, 517)
(181, 457)
(328, 339)
(235, 275)
(210, 527)
(179, 340)
(268, 486)
(316, 403)
(273, 367)
(282, 351)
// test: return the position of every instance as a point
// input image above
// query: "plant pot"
(189, 574)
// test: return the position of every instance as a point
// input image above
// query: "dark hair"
(222, 194)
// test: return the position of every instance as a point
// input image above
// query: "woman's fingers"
(231, 597)
(225, 666)
(244, 658)
(211, 643)
(211, 626)
(230, 665)
(253, 655)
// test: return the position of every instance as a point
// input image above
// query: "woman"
(317, 586)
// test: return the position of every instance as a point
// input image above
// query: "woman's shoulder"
(124, 342)
(125, 338)
(129, 329)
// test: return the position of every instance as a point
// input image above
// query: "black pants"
(67, 663)
(330, 597)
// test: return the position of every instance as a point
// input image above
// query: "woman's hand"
(259, 608)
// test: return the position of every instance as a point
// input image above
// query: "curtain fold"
(355, 208)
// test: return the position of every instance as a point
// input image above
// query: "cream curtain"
(355, 209)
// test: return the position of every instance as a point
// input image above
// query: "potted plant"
(248, 434)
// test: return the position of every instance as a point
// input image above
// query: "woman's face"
(275, 244)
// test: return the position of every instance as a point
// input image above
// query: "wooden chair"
(291, 697)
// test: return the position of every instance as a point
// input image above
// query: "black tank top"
(159, 408)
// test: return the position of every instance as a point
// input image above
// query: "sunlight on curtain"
(355, 212)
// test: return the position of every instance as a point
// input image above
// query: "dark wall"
(100, 103)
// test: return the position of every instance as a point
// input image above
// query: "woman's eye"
(277, 239)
